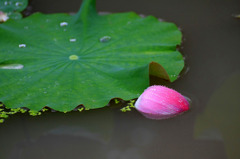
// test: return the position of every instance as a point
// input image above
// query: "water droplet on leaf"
(105, 39)
(12, 66)
(7, 3)
(18, 4)
(63, 24)
(22, 45)
(72, 40)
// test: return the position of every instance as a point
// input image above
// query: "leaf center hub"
(73, 57)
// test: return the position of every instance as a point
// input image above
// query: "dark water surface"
(211, 130)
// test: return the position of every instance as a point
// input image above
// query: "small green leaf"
(80, 109)
(1, 120)
(3, 115)
(116, 101)
(62, 61)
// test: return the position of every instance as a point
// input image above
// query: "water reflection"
(53, 135)
(220, 120)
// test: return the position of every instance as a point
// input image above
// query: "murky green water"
(211, 130)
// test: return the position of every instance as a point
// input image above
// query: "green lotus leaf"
(62, 61)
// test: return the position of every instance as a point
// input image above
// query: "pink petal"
(160, 102)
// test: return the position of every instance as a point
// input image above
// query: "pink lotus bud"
(160, 102)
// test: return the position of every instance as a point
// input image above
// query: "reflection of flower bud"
(160, 102)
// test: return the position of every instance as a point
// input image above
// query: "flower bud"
(160, 102)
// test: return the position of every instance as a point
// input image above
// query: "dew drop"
(12, 66)
(105, 39)
(72, 40)
(7, 3)
(18, 4)
(73, 57)
(63, 24)
(173, 76)
(180, 100)
(22, 45)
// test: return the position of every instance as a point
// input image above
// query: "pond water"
(211, 130)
